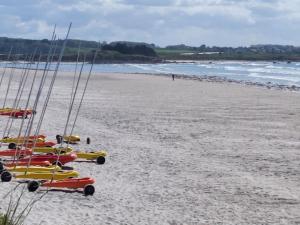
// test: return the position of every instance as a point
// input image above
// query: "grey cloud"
(214, 22)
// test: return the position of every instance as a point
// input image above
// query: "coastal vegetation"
(112, 52)
(122, 52)
(254, 52)
(15, 214)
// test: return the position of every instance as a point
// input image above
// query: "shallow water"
(262, 71)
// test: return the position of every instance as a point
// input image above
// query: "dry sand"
(182, 152)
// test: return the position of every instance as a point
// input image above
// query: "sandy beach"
(181, 152)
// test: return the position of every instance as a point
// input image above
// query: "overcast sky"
(163, 22)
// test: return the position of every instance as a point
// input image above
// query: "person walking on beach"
(173, 77)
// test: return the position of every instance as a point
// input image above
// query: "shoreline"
(193, 74)
(176, 61)
(207, 78)
(171, 61)
(219, 79)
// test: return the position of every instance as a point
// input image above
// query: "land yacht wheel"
(6, 176)
(100, 160)
(89, 190)
(32, 186)
(12, 146)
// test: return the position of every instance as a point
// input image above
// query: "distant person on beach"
(173, 77)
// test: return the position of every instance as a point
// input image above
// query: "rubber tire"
(12, 146)
(1, 167)
(58, 163)
(6, 176)
(59, 139)
(33, 185)
(88, 141)
(89, 190)
(100, 160)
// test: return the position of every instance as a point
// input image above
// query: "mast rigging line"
(73, 98)
(6, 130)
(10, 80)
(74, 77)
(52, 83)
(70, 109)
(49, 92)
(42, 82)
(16, 102)
(84, 91)
(27, 104)
(22, 90)
(6, 64)
(45, 72)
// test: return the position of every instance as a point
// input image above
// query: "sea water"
(258, 71)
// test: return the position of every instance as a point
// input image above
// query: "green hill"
(113, 52)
